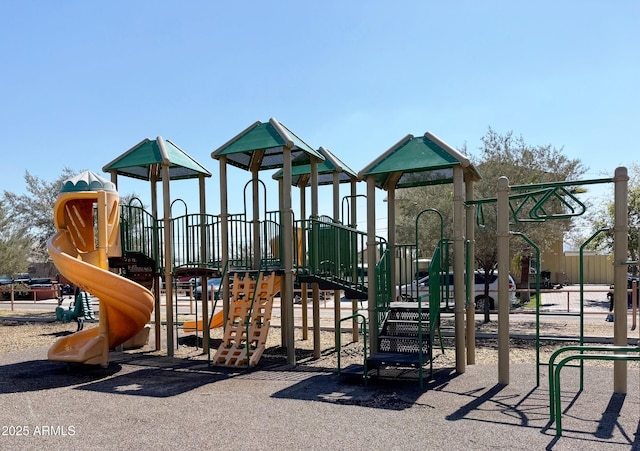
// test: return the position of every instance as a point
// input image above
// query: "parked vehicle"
(5, 286)
(410, 292)
(630, 280)
(22, 278)
(213, 286)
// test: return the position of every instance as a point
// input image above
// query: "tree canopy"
(33, 212)
(604, 218)
(500, 155)
(15, 245)
(26, 221)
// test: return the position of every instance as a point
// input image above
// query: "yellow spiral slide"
(87, 219)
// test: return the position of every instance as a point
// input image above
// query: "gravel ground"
(38, 330)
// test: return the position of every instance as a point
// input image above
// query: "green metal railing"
(362, 320)
(141, 232)
(335, 252)
(555, 401)
(435, 269)
(383, 293)
(189, 233)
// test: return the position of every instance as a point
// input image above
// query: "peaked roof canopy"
(87, 181)
(301, 174)
(262, 145)
(418, 161)
(146, 158)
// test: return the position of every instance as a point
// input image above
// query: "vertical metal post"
(286, 291)
(391, 236)
(620, 254)
(202, 259)
(371, 263)
(471, 252)
(168, 258)
(503, 279)
(336, 293)
(459, 264)
(224, 237)
(303, 286)
(354, 303)
(156, 256)
(313, 233)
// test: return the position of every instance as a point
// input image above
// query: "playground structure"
(125, 306)
(325, 252)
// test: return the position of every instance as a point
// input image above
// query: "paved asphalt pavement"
(146, 401)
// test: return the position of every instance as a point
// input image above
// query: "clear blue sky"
(83, 81)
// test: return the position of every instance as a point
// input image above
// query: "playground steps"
(247, 328)
(398, 342)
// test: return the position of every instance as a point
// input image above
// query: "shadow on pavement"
(393, 390)
(34, 375)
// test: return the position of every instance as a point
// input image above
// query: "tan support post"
(458, 262)
(303, 286)
(286, 291)
(316, 290)
(156, 247)
(471, 308)
(224, 237)
(354, 225)
(503, 280)
(620, 254)
(337, 314)
(168, 256)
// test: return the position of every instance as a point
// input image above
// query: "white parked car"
(410, 292)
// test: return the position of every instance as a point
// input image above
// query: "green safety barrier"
(555, 402)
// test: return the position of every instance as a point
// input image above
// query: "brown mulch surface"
(39, 329)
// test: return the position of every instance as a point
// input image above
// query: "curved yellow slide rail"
(128, 306)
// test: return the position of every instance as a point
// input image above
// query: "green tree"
(499, 155)
(604, 219)
(33, 212)
(15, 245)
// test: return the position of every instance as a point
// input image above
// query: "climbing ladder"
(247, 328)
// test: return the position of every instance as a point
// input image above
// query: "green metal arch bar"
(556, 383)
(440, 241)
(553, 193)
(433, 210)
(264, 193)
(186, 210)
(356, 316)
(547, 189)
(133, 199)
(441, 222)
(576, 348)
(345, 204)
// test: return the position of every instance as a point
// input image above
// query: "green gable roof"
(147, 156)
(418, 161)
(301, 174)
(262, 144)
